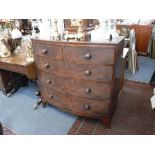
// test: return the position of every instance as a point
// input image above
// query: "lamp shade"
(16, 34)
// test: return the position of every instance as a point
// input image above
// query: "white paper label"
(153, 102)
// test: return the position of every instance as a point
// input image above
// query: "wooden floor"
(133, 116)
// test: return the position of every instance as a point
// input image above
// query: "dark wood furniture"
(5, 79)
(18, 64)
(9, 69)
(143, 34)
(1, 129)
(83, 78)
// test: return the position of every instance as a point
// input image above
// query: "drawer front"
(81, 88)
(55, 67)
(78, 71)
(76, 105)
(87, 55)
(52, 51)
(89, 71)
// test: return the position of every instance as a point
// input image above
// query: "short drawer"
(45, 64)
(87, 55)
(76, 105)
(52, 51)
(80, 88)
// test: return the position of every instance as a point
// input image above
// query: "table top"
(19, 59)
(94, 39)
(18, 64)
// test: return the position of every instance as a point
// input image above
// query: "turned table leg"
(37, 93)
(37, 104)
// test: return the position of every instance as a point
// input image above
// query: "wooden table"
(18, 64)
(10, 66)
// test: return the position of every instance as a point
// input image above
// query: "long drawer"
(75, 105)
(89, 71)
(81, 88)
(87, 55)
(79, 71)
(52, 51)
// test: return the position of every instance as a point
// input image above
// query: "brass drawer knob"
(49, 81)
(37, 93)
(51, 96)
(87, 72)
(46, 65)
(88, 90)
(86, 107)
(44, 51)
(87, 55)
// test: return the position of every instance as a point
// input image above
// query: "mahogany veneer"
(83, 78)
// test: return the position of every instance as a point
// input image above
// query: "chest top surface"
(49, 39)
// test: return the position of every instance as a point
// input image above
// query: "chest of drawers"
(83, 78)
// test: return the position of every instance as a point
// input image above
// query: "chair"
(132, 54)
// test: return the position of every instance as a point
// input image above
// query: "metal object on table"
(81, 34)
(4, 50)
(30, 56)
(56, 35)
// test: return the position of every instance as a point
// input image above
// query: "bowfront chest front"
(82, 78)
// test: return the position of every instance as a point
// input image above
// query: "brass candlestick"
(27, 47)
(30, 56)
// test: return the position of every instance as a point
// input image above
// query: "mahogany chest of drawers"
(82, 78)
